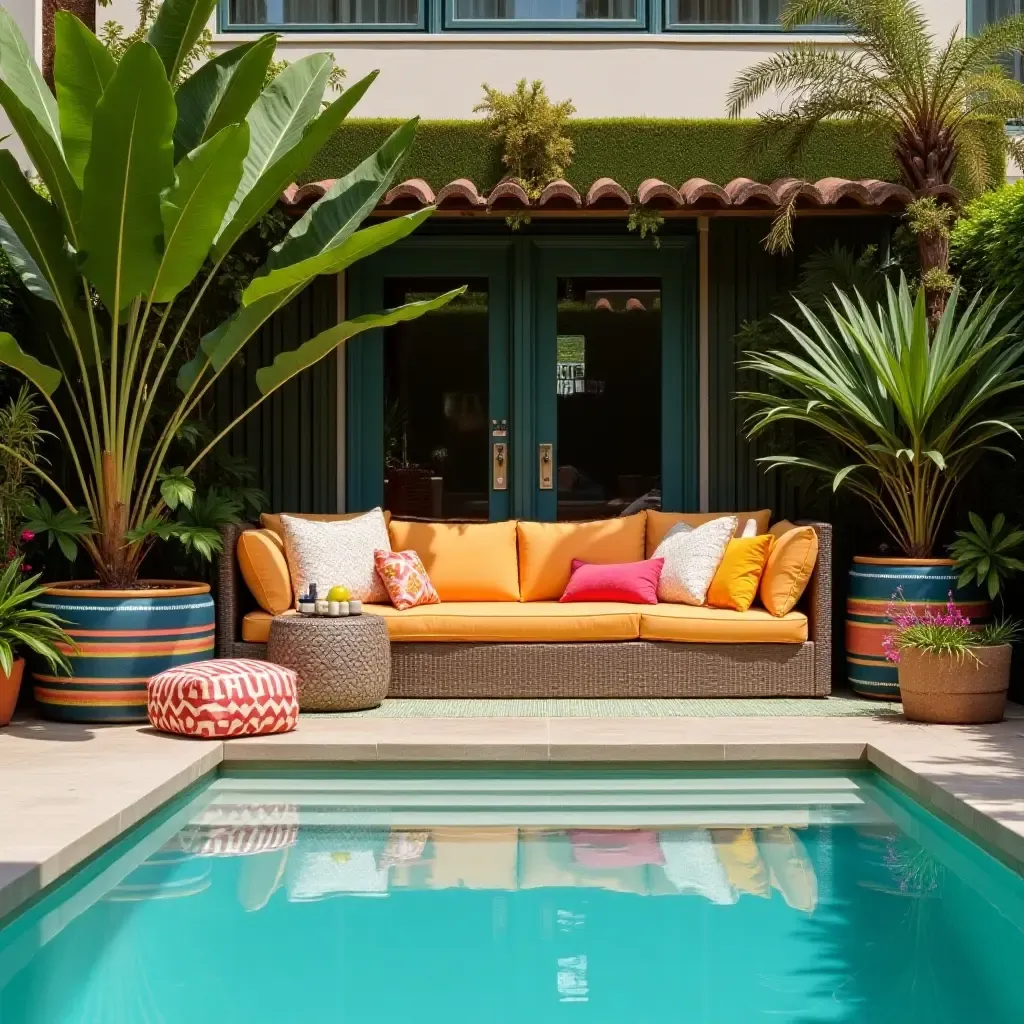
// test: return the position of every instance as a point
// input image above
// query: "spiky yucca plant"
(910, 409)
(26, 628)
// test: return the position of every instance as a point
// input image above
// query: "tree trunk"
(933, 254)
(83, 10)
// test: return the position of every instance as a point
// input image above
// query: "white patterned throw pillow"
(692, 557)
(336, 554)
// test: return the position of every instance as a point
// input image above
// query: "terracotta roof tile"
(607, 194)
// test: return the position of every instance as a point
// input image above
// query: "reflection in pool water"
(489, 897)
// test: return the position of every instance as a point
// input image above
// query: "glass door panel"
(608, 395)
(436, 411)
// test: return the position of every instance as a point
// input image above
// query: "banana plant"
(152, 177)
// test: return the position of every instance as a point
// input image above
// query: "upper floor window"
(983, 12)
(496, 15)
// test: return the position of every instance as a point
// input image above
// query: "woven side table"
(342, 664)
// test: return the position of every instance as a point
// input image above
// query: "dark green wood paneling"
(291, 439)
(744, 284)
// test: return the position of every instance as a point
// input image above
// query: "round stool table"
(343, 664)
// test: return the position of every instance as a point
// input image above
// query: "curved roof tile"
(607, 194)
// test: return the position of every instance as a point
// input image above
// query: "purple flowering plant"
(945, 632)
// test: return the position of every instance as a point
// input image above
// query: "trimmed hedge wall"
(626, 149)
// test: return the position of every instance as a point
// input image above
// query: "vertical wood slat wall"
(744, 283)
(291, 440)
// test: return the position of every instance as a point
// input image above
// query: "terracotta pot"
(955, 691)
(10, 687)
(122, 639)
(925, 582)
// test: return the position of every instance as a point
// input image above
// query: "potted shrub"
(151, 174)
(906, 410)
(25, 628)
(950, 672)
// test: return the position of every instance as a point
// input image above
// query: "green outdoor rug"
(841, 705)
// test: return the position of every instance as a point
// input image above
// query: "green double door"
(562, 385)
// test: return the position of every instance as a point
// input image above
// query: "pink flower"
(26, 568)
(11, 554)
(902, 614)
(27, 535)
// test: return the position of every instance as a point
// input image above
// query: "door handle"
(545, 455)
(499, 466)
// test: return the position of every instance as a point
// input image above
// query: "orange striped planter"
(122, 639)
(926, 583)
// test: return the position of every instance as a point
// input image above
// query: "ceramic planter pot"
(123, 638)
(955, 691)
(10, 687)
(926, 583)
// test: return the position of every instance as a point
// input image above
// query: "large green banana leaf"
(288, 364)
(254, 198)
(46, 378)
(221, 92)
(131, 163)
(82, 67)
(192, 210)
(177, 27)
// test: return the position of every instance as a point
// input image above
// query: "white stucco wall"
(628, 74)
(27, 14)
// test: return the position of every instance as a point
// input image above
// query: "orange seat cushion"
(739, 574)
(686, 623)
(261, 560)
(788, 569)
(546, 551)
(256, 626)
(510, 622)
(465, 561)
(659, 523)
(272, 520)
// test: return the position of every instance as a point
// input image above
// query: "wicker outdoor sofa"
(799, 666)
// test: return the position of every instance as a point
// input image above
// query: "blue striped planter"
(926, 583)
(122, 639)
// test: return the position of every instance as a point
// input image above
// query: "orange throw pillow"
(262, 563)
(735, 584)
(405, 579)
(789, 569)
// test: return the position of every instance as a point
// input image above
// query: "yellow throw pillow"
(789, 569)
(546, 551)
(465, 561)
(735, 583)
(659, 523)
(261, 559)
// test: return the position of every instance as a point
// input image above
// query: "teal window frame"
(668, 25)
(974, 26)
(226, 26)
(641, 23)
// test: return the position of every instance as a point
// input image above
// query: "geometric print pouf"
(224, 698)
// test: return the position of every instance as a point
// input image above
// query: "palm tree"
(930, 98)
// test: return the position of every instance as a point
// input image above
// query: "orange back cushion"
(465, 561)
(659, 523)
(261, 559)
(737, 578)
(546, 551)
(789, 569)
(272, 520)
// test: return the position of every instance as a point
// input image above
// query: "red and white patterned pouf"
(223, 698)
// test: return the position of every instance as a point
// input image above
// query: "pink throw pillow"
(405, 579)
(631, 582)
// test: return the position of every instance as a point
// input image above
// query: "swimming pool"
(509, 895)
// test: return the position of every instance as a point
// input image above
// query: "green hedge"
(626, 149)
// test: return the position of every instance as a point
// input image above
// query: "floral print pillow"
(405, 579)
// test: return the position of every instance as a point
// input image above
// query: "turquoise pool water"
(509, 896)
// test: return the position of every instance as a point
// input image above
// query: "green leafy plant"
(924, 95)
(532, 132)
(136, 152)
(946, 633)
(19, 427)
(988, 555)
(910, 409)
(24, 627)
(647, 221)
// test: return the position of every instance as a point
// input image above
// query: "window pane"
(608, 383)
(436, 436)
(545, 10)
(325, 12)
(725, 12)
